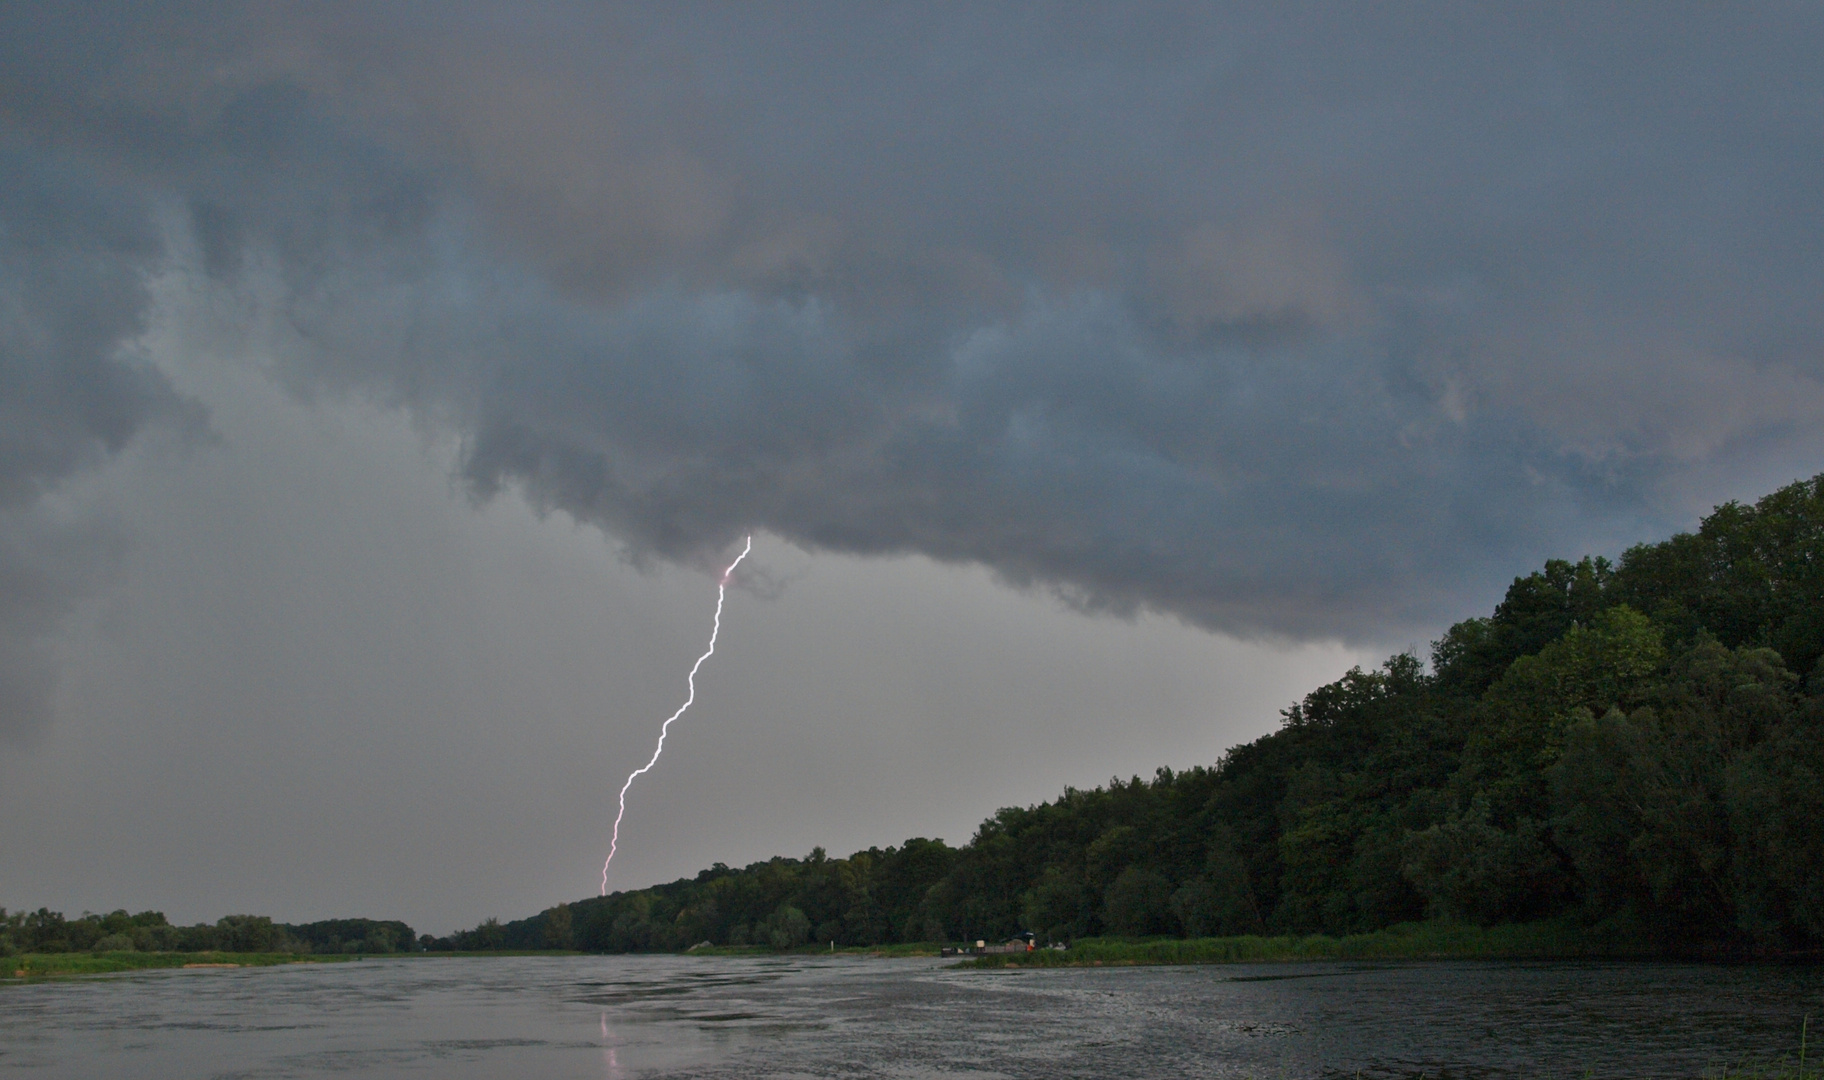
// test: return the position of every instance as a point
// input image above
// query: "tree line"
(46, 931)
(1633, 745)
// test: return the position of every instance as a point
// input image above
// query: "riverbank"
(908, 949)
(1545, 940)
(48, 965)
(1550, 940)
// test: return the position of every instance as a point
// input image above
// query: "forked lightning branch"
(665, 728)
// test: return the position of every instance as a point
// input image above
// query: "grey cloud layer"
(1311, 323)
(73, 260)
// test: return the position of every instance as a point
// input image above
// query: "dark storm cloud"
(1311, 322)
(73, 256)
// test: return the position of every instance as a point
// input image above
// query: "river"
(613, 1017)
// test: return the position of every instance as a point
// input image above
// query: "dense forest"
(1632, 745)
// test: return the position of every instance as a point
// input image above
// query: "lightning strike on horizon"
(691, 679)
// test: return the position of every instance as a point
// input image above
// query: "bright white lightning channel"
(691, 679)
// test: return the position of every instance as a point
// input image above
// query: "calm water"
(606, 1017)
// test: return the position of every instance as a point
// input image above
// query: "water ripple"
(626, 1017)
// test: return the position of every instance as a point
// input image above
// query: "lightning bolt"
(691, 679)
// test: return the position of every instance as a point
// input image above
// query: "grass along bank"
(42, 965)
(898, 949)
(1548, 940)
(1438, 940)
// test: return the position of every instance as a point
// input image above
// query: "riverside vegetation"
(44, 942)
(1622, 759)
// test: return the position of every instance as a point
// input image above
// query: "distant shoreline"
(1550, 939)
(1424, 941)
(29, 966)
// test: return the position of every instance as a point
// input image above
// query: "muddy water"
(610, 1017)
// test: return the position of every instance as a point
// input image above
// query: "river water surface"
(610, 1017)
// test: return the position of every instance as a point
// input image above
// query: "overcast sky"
(382, 386)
